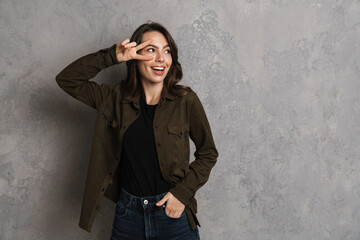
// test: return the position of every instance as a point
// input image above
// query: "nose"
(159, 57)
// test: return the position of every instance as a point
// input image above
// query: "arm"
(206, 154)
(74, 79)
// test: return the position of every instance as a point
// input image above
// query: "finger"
(173, 214)
(162, 201)
(144, 44)
(125, 41)
(178, 214)
(132, 44)
(144, 58)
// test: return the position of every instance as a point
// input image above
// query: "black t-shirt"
(139, 166)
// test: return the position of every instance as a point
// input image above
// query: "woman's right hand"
(126, 51)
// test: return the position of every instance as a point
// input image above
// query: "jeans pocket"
(121, 208)
(181, 216)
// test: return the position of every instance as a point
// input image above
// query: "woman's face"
(160, 50)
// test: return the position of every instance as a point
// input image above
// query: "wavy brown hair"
(131, 85)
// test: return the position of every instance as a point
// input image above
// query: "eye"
(168, 51)
(150, 49)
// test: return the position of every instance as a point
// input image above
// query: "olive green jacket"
(176, 119)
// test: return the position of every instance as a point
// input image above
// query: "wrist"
(114, 55)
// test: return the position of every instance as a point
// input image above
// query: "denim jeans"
(139, 218)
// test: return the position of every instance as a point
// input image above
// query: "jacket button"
(156, 126)
(162, 164)
(110, 173)
(159, 144)
(103, 189)
(97, 206)
(124, 126)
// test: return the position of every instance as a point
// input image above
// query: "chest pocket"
(178, 137)
(109, 114)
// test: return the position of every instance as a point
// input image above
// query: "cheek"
(169, 60)
(141, 68)
(168, 70)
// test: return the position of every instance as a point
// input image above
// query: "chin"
(158, 81)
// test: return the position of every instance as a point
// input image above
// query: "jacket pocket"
(111, 120)
(180, 131)
(178, 137)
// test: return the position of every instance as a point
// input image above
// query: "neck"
(152, 92)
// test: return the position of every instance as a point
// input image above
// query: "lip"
(158, 66)
(158, 72)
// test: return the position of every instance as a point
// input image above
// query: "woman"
(140, 150)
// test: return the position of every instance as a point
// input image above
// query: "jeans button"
(145, 201)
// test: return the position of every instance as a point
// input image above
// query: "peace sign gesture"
(126, 51)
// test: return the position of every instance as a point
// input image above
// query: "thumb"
(162, 201)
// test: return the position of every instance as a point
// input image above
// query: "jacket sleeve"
(205, 155)
(74, 79)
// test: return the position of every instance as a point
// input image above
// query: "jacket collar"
(164, 95)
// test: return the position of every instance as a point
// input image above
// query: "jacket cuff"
(112, 55)
(181, 193)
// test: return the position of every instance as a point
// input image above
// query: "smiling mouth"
(158, 68)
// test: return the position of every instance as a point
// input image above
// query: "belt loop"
(131, 201)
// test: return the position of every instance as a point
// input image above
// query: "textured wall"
(279, 81)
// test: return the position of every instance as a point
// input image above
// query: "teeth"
(158, 68)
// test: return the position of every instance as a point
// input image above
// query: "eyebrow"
(156, 46)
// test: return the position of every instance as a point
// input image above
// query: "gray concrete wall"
(279, 81)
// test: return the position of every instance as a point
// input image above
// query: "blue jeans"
(139, 218)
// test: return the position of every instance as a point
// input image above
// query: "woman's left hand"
(174, 207)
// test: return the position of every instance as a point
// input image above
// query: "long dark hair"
(131, 85)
